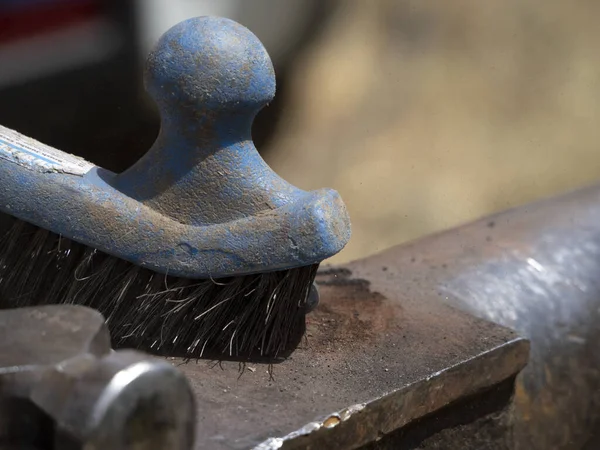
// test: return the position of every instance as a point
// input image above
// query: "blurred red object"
(27, 18)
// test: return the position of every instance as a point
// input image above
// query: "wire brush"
(199, 249)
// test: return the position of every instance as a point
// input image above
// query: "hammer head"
(62, 385)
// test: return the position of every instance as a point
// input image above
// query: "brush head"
(197, 248)
(242, 318)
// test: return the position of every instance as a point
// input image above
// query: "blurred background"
(422, 114)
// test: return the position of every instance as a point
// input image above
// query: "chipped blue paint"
(202, 202)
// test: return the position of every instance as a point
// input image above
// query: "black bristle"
(258, 315)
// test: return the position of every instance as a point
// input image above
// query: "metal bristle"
(238, 317)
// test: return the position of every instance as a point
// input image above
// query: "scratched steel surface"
(534, 269)
(538, 272)
(379, 353)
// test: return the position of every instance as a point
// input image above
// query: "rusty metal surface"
(378, 355)
(535, 269)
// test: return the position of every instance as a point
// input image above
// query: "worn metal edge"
(411, 402)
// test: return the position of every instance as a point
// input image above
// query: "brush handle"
(201, 203)
(209, 77)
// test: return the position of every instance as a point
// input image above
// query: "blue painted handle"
(209, 78)
(201, 202)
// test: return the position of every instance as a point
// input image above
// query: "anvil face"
(382, 350)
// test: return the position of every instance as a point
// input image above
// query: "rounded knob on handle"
(206, 65)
